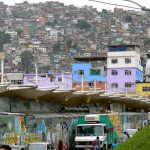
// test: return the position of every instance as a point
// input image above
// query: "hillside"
(139, 141)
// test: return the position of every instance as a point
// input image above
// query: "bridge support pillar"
(117, 107)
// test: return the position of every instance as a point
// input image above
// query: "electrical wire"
(114, 4)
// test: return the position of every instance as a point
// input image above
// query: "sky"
(80, 3)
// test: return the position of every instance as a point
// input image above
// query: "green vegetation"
(69, 42)
(128, 18)
(19, 32)
(140, 141)
(57, 46)
(26, 59)
(147, 41)
(83, 24)
(4, 39)
(51, 24)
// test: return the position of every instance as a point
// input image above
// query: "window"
(95, 72)
(80, 72)
(127, 72)
(114, 72)
(127, 60)
(90, 130)
(59, 79)
(114, 85)
(91, 84)
(128, 84)
(146, 89)
(43, 76)
(16, 82)
(114, 61)
(19, 82)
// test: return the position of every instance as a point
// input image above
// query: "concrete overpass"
(70, 97)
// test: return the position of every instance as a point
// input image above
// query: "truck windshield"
(37, 147)
(90, 130)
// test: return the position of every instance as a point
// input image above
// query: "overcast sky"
(80, 3)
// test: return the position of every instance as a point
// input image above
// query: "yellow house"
(143, 89)
(30, 46)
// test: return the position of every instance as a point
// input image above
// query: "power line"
(114, 4)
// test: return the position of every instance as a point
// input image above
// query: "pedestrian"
(124, 137)
(115, 143)
(5, 147)
(61, 146)
(96, 144)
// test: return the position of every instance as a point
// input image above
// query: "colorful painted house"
(147, 69)
(124, 68)
(143, 89)
(89, 74)
(49, 80)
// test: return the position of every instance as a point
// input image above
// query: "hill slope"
(140, 141)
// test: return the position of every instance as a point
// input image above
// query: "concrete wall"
(16, 105)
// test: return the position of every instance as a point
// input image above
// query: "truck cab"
(40, 146)
(87, 133)
(87, 130)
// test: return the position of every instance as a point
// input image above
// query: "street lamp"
(143, 8)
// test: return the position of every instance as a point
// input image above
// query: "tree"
(15, 14)
(147, 41)
(51, 24)
(128, 18)
(74, 46)
(69, 43)
(56, 47)
(83, 24)
(4, 39)
(19, 32)
(25, 2)
(104, 11)
(26, 60)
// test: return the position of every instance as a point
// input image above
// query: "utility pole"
(36, 74)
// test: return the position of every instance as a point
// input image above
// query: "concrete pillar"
(117, 107)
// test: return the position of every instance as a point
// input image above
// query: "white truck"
(91, 126)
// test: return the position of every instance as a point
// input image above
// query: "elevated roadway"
(71, 97)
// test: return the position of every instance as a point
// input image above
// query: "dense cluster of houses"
(50, 31)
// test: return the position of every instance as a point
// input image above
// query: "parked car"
(131, 132)
(19, 147)
(40, 146)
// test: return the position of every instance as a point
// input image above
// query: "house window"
(114, 72)
(114, 61)
(80, 72)
(91, 84)
(128, 84)
(146, 89)
(127, 72)
(127, 60)
(95, 72)
(114, 85)
(59, 79)
(19, 82)
(43, 76)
